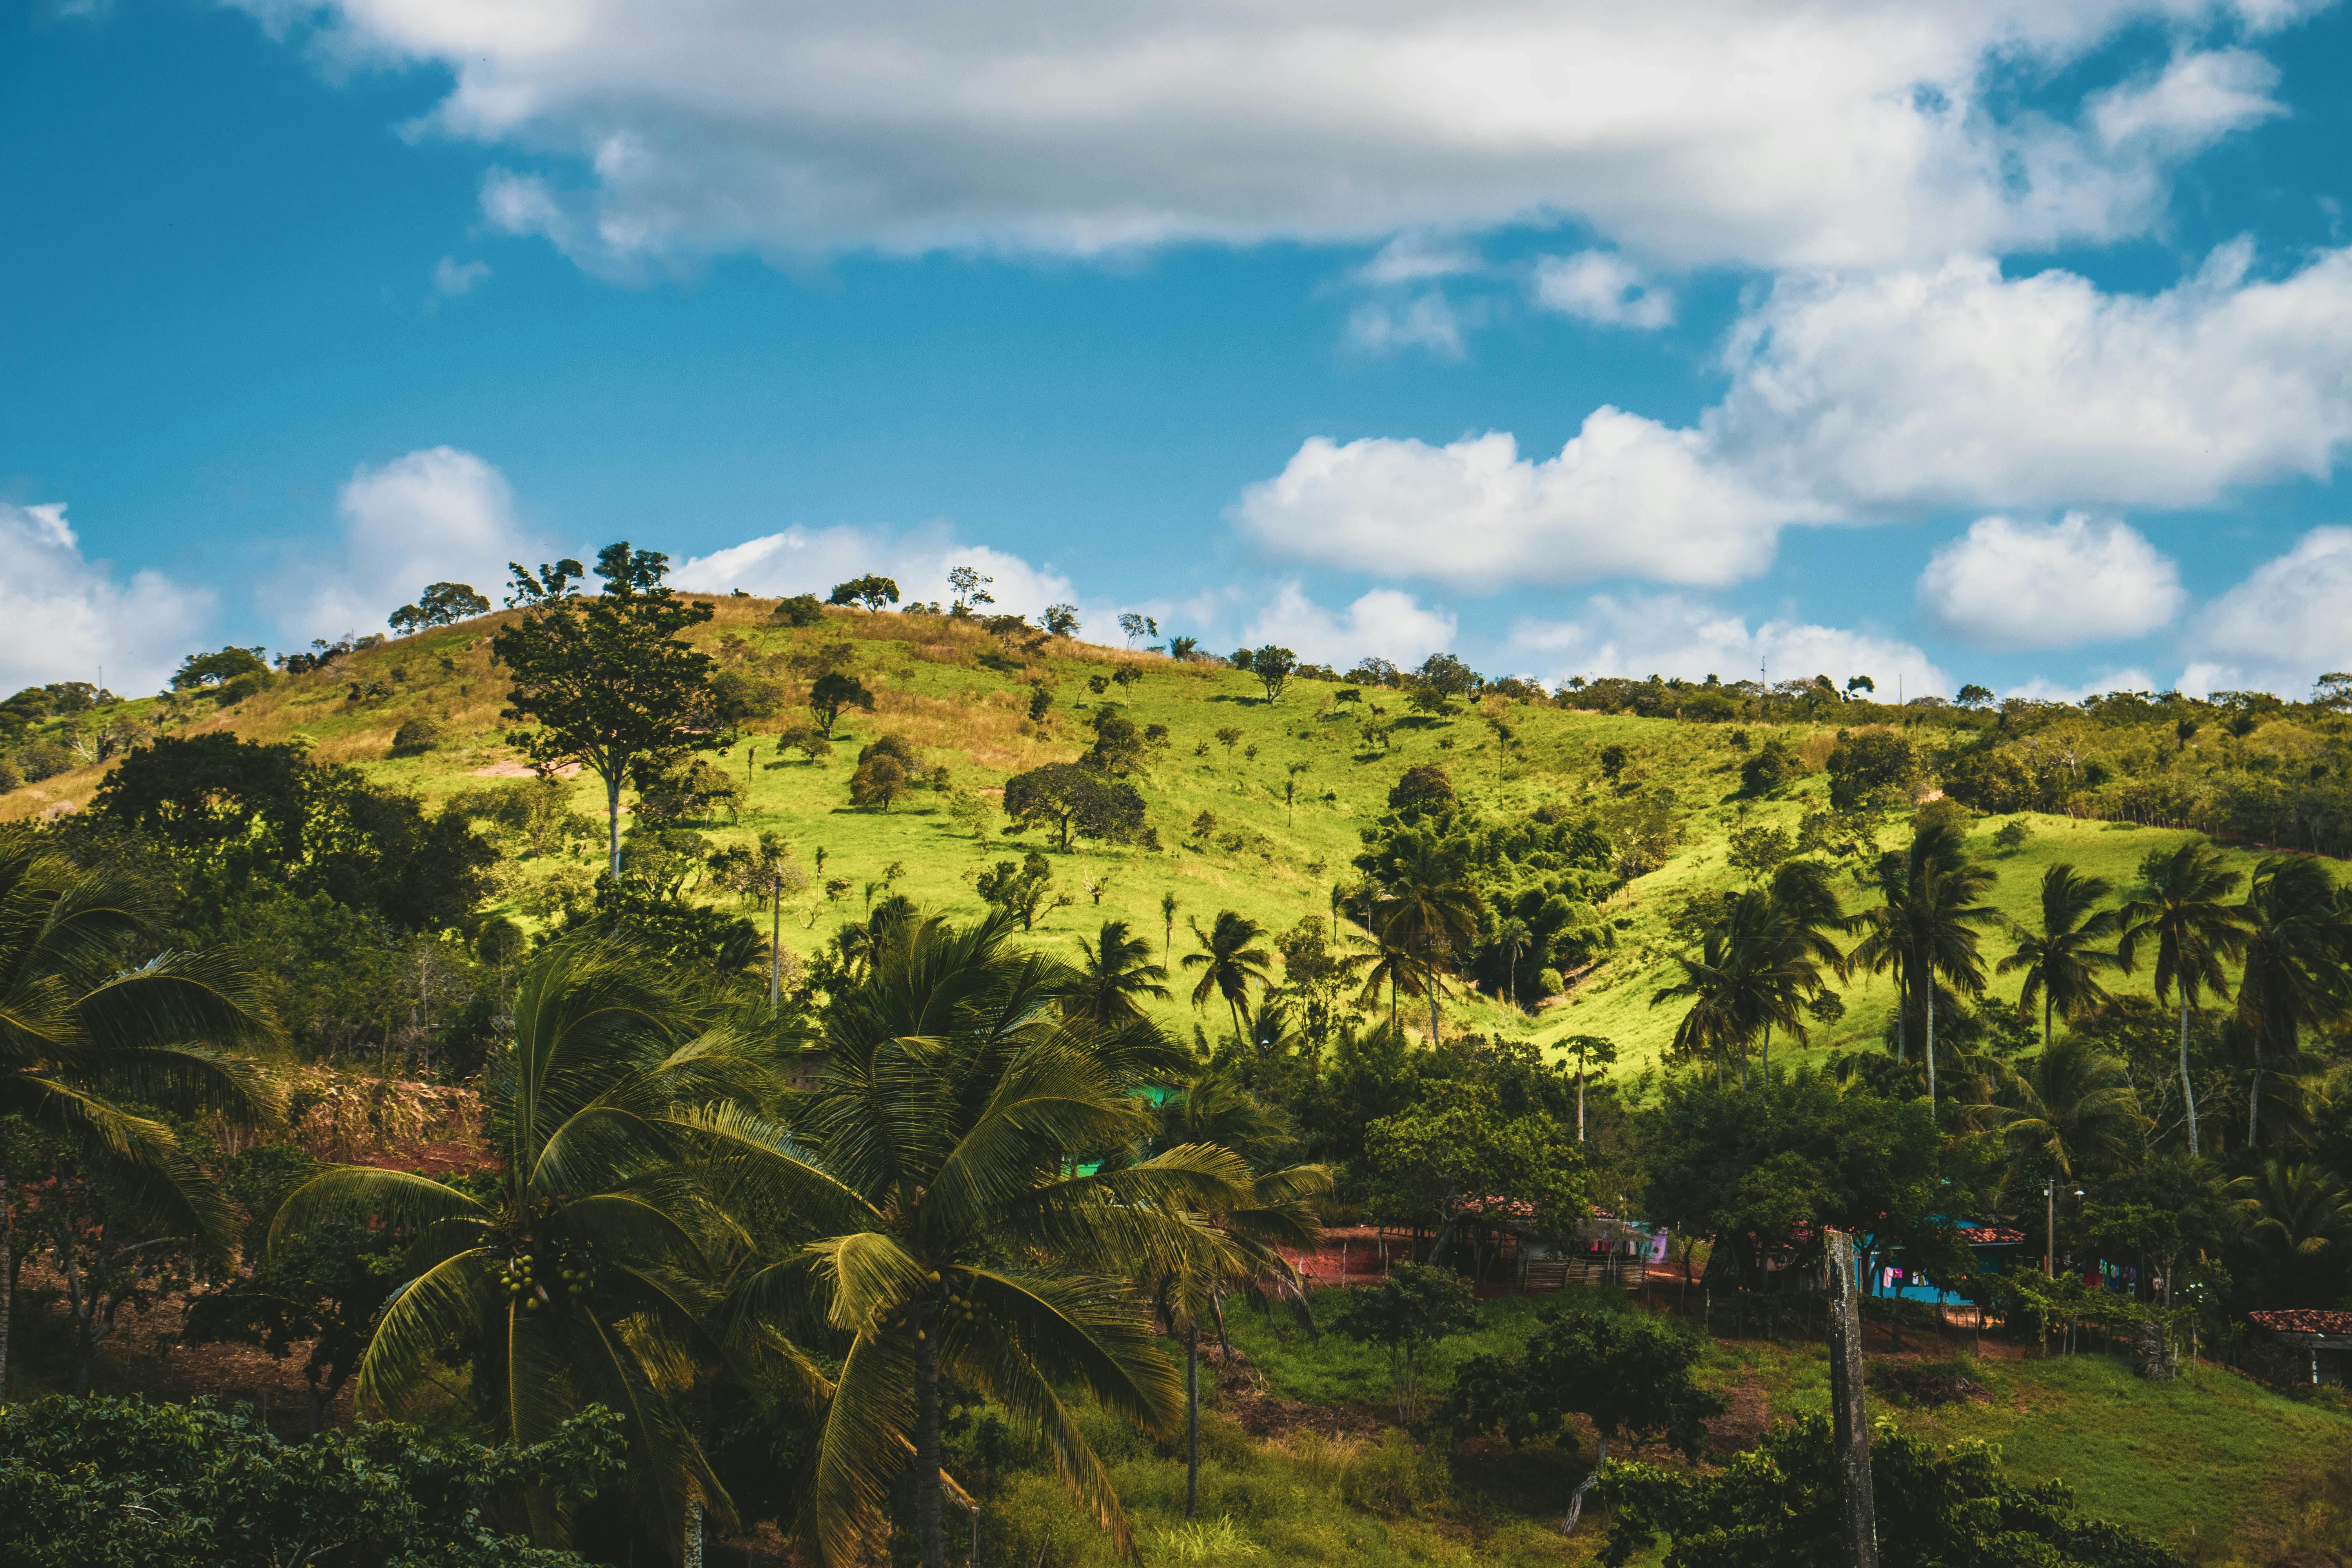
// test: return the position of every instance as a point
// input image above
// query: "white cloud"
(1417, 258)
(1625, 496)
(435, 515)
(62, 616)
(452, 277)
(1639, 635)
(812, 560)
(1846, 133)
(1383, 623)
(1854, 398)
(2011, 584)
(1602, 287)
(2039, 689)
(1959, 386)
(1424, 321)
(2289, 622)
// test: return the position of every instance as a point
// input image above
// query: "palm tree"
(2069, 1105)
(2061, 964)
(1216, 1111)
(1114, 970)
(1229, 965)
(1167, 926)
(2297, 936)
(1924, 926)
(1434, 913)
(1762, 958)
(1797, 958)
(2180, 907)
(575, 1280)
(1398, 968)
(2299, 1212)
(95, 1011)
(962, 1238)
(1717, 981)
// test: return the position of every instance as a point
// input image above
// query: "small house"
(2310, 1340)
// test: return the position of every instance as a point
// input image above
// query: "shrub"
(45, 760)
(799, 610)
(895, 748)
(10, 778)
(1769, 769)
(415, 737)
(1875, 763)
(1396, 1477)
(1549, 982)
(805, 739)
(2010, 836)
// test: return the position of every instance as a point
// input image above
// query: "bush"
(895, 748)
(1397, 1477)
(2010, 836)
(45, 760)
(1769, 769)
(799, 610)
(805, 739)
(880, 780)
(415, 737)
(1549, 982)
(10, 778)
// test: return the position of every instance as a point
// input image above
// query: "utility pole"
(1857, 1509)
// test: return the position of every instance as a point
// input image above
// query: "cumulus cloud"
(1602, 287)
(1383, 623)
(812, 560)
(1639, 635)
(452, 277)
(2013, 583)
(436, 515)
(1854, 398)
(2289, 622)
(62, 615)
(1698, 131)
(1424, 322)
(1625, 496)
(2040, 689)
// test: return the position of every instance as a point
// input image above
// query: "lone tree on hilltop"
(971, 589)
(441, 604)
(607, 680)
(1132, 626)
(869, 592)
(1062, 620)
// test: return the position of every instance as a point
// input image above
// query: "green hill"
(961, 699)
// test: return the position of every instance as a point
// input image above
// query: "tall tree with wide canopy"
(1230, 964)
(962, 1239)
(607, 680)
(2299, 938)
(2181, 908)
(94, 1012)
(2061, 961)
(1926, 926)
(580, 1277)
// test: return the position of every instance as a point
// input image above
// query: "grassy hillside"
(949, 688)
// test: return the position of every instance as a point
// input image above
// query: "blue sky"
(1997, 342)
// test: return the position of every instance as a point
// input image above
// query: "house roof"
(2303, 1320)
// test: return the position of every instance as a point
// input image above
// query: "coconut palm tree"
(2294, 951)
(1797, 958)
(578, 1278)
(1924, 926)
(2062, 962)
(1434, 913)
(2299, 1213)
(964, 1233)
(94, 1012)
(2069, 1105)
(1115, 970)
(1398, 968)
(1718, 983)
(1230, 964)
(1216, 1111)
(2180, 909)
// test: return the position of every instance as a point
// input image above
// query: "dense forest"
(833, 1082)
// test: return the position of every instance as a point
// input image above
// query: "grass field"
(946, 689)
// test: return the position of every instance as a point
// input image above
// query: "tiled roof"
(2303, 1320)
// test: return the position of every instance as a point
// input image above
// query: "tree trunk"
(1576, 1498)
(1902, 1010)
(1192, 1423)
(613, 824)
(1764, 1066)
(7, 1286)
(689, 1555)
(1579, 1110)
(1433, 1005)
(927, 1445)
(2187, 1092)
(1931, 1042)
(1849, 1422)
(2255, 1094)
